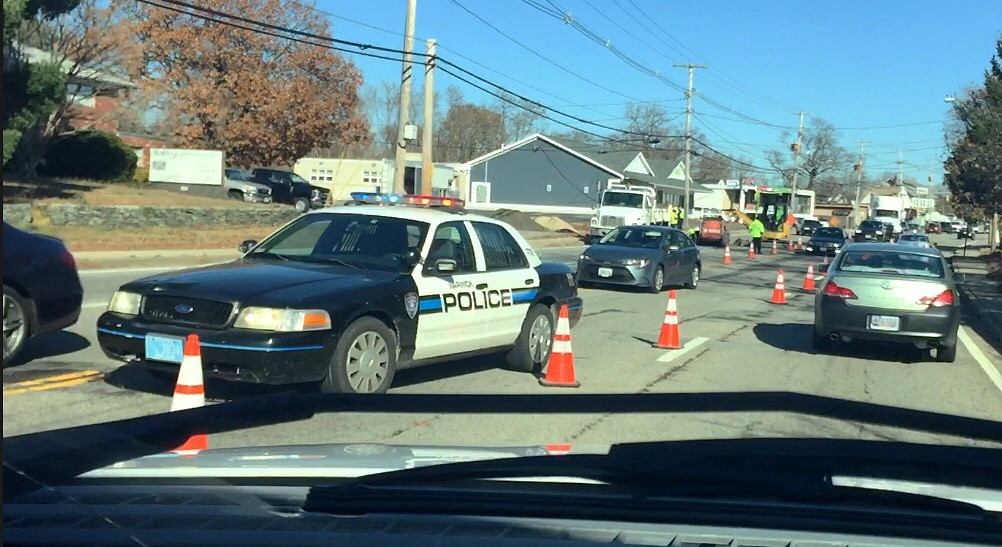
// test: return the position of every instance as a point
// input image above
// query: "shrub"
(142, 175)
(90, 155)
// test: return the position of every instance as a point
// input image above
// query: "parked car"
(239, 186)
(41, 289)
(889, 293)
(932, 228)
(873, 230)
(965, 233)
(912, 227)
(826, 241)
(290, 188)
(713, 230)
(642, 256)
(915, 240)
(946, 228)
(808, 226)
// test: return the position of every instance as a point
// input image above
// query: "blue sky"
(858, 64)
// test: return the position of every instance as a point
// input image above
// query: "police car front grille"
(168, 309)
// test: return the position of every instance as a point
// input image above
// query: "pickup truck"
(290, 188)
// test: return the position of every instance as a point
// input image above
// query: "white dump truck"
(888, 210)
(623, 205)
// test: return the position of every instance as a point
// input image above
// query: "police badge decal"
(411, 304)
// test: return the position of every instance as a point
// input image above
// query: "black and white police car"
(346, 296)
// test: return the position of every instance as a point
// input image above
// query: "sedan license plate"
(605, 272)
(885, 322)
(164, 348)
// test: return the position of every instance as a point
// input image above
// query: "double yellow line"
(52, 382)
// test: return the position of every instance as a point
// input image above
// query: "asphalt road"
(735, 341)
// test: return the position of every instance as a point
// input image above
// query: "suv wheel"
(235, 194)
(302, 204)
(365, 359)
(532, 348)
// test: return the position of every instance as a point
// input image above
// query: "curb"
(973, 301)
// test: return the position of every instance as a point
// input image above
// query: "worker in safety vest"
(672, 215)
(681, 217)
(756, 230)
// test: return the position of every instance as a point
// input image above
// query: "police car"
(346, 296)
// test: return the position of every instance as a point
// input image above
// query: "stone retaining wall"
(142, 217)
(17, 214)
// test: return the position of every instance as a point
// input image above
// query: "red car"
(932, 228)
(712, 230)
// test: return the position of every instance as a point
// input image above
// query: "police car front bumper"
(233, 354)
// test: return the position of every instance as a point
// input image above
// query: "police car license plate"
(605, 272)
(885, 322)
(164, 348)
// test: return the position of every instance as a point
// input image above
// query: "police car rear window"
(501, 251)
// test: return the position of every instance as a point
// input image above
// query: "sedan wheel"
(693, 278)
(15, 325)
(658, 281)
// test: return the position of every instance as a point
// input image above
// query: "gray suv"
(239, 186)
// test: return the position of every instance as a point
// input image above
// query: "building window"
(370, 177)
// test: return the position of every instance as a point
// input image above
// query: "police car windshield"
(623, 199)
(365, 241)
(638, 236)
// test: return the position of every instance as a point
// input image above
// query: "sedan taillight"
(941, 300)
(831, 289)
(68, 259)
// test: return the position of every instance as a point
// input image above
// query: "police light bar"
(405, 199)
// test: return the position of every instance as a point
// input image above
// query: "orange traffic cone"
(190, 393)
(800, 245)
(809, 279)
(789, 246)
(560, 368)
(727, 254)
(779, 292)
(668, 338)
(826, 260)
(751, 250)
(773, 247)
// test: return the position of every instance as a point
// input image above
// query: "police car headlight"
(642, 262)
(125, 303)
(282, 320)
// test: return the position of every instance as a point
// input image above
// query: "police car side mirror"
(247, 245)
(445, 266)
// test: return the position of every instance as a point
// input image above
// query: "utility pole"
(688, 142)
(427, 167)
(406, 75)
(901, 169)
(859, 186)
(796, 163)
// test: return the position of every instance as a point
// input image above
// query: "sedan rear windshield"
(872, 225)
(891, 263)
(835, 233)
(812, 223)
(634, 237)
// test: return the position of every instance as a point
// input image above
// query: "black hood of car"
(260, 282)
(616, 253)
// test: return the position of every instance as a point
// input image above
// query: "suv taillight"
(831, 289)
(941, 300)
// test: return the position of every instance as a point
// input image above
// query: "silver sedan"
(641, 256)
(891, 293)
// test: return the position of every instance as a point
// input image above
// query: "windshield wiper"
(267, 255)
(327, 260)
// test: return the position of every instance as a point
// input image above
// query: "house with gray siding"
(553, 175)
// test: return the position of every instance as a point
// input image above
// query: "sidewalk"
(983, 295)
(99, 260)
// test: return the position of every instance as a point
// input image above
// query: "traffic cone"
(727, 254)
(751, 250)
(190, 393)
(800, 245)
(668, 338)
(779, 292)
(826, 260)
(560, 368)
(809, 278)
(773, 247)
(789, 246)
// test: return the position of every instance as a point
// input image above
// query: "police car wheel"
(532, 348)
(365, 359)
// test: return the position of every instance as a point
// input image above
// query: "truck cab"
(623, 205)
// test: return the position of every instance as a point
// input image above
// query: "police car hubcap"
(368, 362)
(540, 338)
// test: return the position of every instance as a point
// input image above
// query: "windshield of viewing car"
(634, 237)
(623, 199)
(376, 242)
(890, 262)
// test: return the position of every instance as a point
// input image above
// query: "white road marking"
(689, 346)
(981, 358)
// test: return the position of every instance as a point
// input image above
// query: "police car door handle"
(481, 286)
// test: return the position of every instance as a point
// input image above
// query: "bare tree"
(649, 129)
(468, 130)
(821, 154)
(520, 116)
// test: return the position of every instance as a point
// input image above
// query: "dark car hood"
(614, 253)
(244, 279)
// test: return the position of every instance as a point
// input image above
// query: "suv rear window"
(872, 225)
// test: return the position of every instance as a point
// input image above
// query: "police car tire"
(518, 358)
(336, 380)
